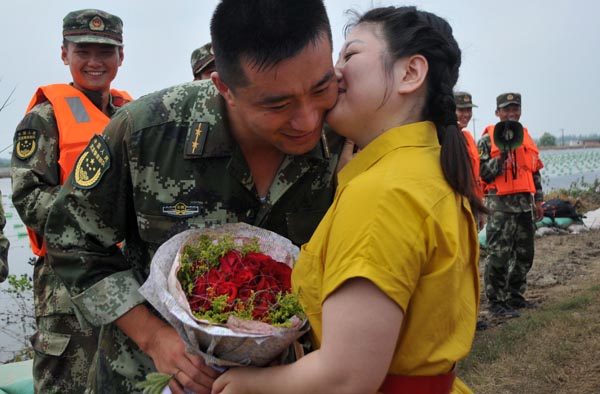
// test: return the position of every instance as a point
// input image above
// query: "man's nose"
(306, 118)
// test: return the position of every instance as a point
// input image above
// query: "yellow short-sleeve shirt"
(396, 222)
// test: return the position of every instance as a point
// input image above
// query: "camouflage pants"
(510, 251)
(63, 355)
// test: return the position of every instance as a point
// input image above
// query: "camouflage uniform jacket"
(490, 168)
(36, 183)
(4, 244)
(169, 163)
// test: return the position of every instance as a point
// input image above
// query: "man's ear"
(63, 55)
(121, 55)
(223, 88)
(412, 72)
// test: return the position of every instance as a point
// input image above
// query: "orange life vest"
(474, 155)
(78, 120)
(517, 177)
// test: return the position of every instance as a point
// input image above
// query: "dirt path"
(562, 263)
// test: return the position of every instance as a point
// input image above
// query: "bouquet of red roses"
(222, 279)
(226, 290)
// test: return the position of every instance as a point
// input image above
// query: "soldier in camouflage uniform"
(4, 244)
(203, 62)
(514, 197)
(247, 147)
(47, 142)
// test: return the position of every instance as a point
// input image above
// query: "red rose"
(265, 283)
(256, 260)
(199, 299)
(225, 288)
(242, 276)
(214, 276)
(244, 293)
(262, 303)
(280, 272)
(229, 260)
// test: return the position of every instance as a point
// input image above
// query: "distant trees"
(547, 139)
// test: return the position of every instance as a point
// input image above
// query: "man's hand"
(162, 343)
(168, 353)
(539, 211)
(348, 152)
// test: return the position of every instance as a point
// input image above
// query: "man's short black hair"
(263, 33)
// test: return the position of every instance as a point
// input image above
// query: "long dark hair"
(408, 31)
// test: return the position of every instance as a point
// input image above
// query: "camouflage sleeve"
(489, 168)
(91, 214)
(4, 244)
(35, 172)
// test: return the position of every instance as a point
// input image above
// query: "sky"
(547, 50)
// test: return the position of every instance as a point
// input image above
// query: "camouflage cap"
(463, 100)
(505, 99)
(93, 26)
(202, 57)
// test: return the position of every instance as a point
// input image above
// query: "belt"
(439, 384)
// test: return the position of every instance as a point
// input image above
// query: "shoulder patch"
(196, 139)
(26, 143)
(91, 165)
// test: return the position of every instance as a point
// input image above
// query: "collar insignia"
(26, 143)
(91, 165)
(196, 140)
(180, 209)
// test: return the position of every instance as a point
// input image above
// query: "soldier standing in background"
(203, 62)
(464, 113)
(59, 123)
(514, 197)
(248, 147)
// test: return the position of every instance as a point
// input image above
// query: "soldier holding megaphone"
(509, 165)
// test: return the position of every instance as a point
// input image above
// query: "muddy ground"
(562, 263)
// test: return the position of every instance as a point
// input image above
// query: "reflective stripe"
(78, 110)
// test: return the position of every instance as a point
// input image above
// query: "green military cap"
(94, 27)
(463, 100)
(201, 58)
(505, 99)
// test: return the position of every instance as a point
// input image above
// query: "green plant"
(18, 322)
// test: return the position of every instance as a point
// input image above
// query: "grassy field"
(554, 348)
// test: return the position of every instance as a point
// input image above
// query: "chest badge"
(180, 209)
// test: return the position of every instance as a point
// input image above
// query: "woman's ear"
(413, 72)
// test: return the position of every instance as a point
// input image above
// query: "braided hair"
(408, 31)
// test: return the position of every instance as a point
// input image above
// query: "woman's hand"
(235, 381)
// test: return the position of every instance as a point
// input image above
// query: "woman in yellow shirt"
(389, 279)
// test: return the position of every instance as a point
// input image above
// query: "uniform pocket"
(50, 343)
(307, 277)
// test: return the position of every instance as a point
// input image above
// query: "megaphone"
(508, 135)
